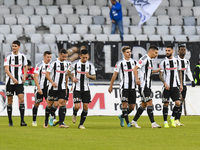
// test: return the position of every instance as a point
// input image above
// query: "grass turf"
(102, 132)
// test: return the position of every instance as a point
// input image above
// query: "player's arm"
(93, 77)
(37, 83)
(25, 73)
(189, 74)
(163, 80)
(72, 77)
(156, 71)
(112, 81)
(181, 80)
(10, 75)
(135, 72)
(47, 75)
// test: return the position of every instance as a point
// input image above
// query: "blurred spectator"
(197, 73)
(30, 74)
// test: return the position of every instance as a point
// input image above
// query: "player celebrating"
(171, 76)
(185, 69)
(127, 84)
(14, 63)
(145, 67)
(83, 71)
(41, 83)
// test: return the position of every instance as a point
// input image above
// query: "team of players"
(51, 79)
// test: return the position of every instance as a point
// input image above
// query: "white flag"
(145, 8)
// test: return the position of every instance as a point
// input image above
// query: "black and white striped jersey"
(40, 69)
(16, 64)
(145, 72)
(185, 69)
(125, 70)
(58, 71)
(170, 69)
(79, 69)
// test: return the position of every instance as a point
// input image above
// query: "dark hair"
(29, 63)
(63, 51)
(153, 47)
(181, 46)
(47, 53)
(84, 51)
(125, 48)
(169, 46)
(16, 42)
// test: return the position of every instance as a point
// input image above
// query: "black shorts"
(183, 93)
(55, 95)
(173, 93)
(17, 88)
(67, 96)
(39, 97)
(145, 94)
(128, 96)
(79, 96)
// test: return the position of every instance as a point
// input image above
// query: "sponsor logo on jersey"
(16, 65)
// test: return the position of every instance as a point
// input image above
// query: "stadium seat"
(126, 21)
(101, 37)
(198, 20)
(125, 3)
(67, 28)
(189, 21)
(89, 37)
(4, 29)
(152, 21)
(101, 3)
(40, 10)
(187, 3)
(193, 38)
(81, 10)
(22, 2)
(168, 38)
(114, 37)
(6, 48)
(47, 20)
(61, 2)
(52, 10)
(76, 2)
(135, 30)
(35, 20)
(135, 19)
(175, 2)
(126, 29)
(1, 19)
(99, 20)
(108, 21)
(73, 19)
(164, 3)
(9, 2)
(173, 10)
(132, 11)
(148, 30)
(34, 2)
(198, 29)
(94, 10)
(4, 10)
(22, 19)
(197, 2)
(29, 29)
(196, 10)
(88, 2)
(28, 10)
(39, 57)
(1, 2)
(54, 48)
(189, 30)
(124, 11)
(10, 19)
(27, 47)
(106, 29)
(55, 29)
(105, 11)
(10, 38)
(60, 19)
(22, 49)
(61, 37)
(163, 20)
(81, 29)
(180, 38)
(95, 29)
(162, 30)
(176, 20)
(186, 11)
(160, 11)
(49, 38)
(86, 20)
(74, 37)
(16, 9)
(2, 38)
(17, 30)
(175, 30)
(47, 2)
(128, 37)
(141, 38)
(66, 9)
(154, 38)
(36, 38)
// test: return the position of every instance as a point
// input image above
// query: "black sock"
(125, 114)
(62, 111)
(179, 112)
(150, 113)
(129, 111)
(22, 109)
(175, 111)
(138, 113)
(35, 109)
(47, 112)
(165, 112)
(83, 116)
(75, 111)
(53, 110)
(9, 111)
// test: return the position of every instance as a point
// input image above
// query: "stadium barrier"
(102, 102)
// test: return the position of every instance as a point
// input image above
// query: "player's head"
(153, 51)
(47, 56)
(169, 51)
(113, 2)
(126, 52)
(15, 46)
(63, 54)
(84, 55)
(181, 50)
(29, 64)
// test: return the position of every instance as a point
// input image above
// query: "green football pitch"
(102, 132)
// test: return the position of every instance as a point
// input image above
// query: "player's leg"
(165, 101)
(9, 94)
(52, 117)
(77, 104)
